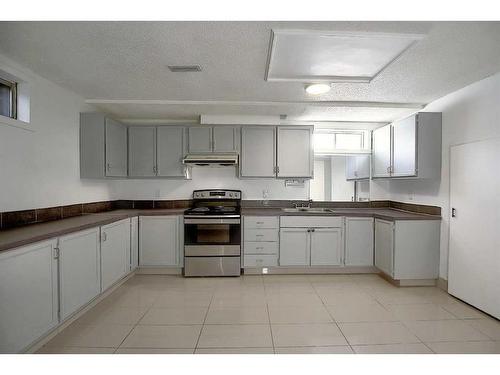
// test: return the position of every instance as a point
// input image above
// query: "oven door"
(212, 236)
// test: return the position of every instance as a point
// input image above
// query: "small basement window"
(335, 141)
(8, 98)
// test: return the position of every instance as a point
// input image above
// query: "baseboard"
(442, 284)
(408, 282)
(159, 271)
(308, 271)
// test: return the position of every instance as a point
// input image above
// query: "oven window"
(212, 234)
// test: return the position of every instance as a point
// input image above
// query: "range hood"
(211, 160)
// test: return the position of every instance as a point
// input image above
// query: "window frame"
(336, 132)
(13, 97)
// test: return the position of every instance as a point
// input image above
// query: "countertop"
(12, 238)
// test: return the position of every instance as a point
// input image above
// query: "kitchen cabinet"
(408, 250)
(160, 241)
(134, 243)
(258, 151)
(359, 241)
(79, 270)
(326, 246)
(103, 147)
(207, 139)
(409, 148)
(142, 151)
(28, 295)
(115, 252)
(295, 152)
(170, 151)
(357, 167)
(294, 247)
(260, 241)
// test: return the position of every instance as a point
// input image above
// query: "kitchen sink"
(308, 209)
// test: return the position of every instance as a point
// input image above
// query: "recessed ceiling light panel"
(184, 68)
(318, 88)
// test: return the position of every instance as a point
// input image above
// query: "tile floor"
(277, 314)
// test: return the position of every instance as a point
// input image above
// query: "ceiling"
(122, 67)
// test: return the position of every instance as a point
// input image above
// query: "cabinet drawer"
(260, 248)
(255, 222)
(311, 221)
(260, 260)
(259, 235)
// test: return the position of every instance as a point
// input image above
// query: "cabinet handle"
(259, 222)
(259, 235)
(104, 237)
(108, 167)
(259, 248)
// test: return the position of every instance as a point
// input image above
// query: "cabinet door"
(294, 247)
(404, 135)
(326, 247)
(79, 274)
(200, 139)
(116, 149)
(159, 241)
(295, 151)
(382, 151)
(142, 151)
(258, 151)
(224, 139)
(351, 168)
(115, 250)
(170, 151)
(384, 246)
(134, 243)
(359, 241)
(28, 295)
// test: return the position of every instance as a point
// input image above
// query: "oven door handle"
(211, 221)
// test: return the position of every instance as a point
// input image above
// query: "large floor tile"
(370, 312)
(153, 351)
(237, 315)
(109, 314)
(234, 351)
(377, 333)
(74, 350)
(398, 297)
(183, 299)
(466, 347)
(293, 299)
(294, 314)
(131, 297)
(421, 311)
(463, 311)
(307, 335)
(239, 299)
(490, 327)
(103, 336)
(445, 330)
(300, 288)
(174, 316)
(163, 337)
(343, 297)
(416, 348)
(235, 336)
(341, 349)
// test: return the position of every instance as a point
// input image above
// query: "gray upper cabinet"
(357, 167)
(258, 151)
(295, 152)
(103, 147)
(224, 139)
(200, 139)
(142, 151)
(170, 151)
(409, 148)
(203, 139)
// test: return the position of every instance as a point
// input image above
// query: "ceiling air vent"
(184, 68)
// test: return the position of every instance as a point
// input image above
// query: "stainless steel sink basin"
(306, 209)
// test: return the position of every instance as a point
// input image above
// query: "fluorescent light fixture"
(318, 88)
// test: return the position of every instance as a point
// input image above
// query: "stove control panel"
(217, 194)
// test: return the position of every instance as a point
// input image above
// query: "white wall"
(342, 190)
(40, 168)
(469, 114)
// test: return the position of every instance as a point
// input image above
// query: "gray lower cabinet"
(326, 246)
(258, 151)
(28, 295)
(294, 247)
(359, 241)
(142, 151)
(79, 270)
(103, 146)
(384, 246)
(115, 252)
(295, 155)
(134, 243)
(160, 241)
(260, 241)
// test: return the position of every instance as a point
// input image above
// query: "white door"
(200, 139)
(115, 252)
(142, 151)
(474, 259)
(404, 139)
(295, 151)
(134, 243)
(326, 246)
(159, 241)
(170, 151)
(79, 273)
(381, 157)
(116, 149)
(384, 246)
(294, 247)
(359, 241)
(224, 139)
(28, 295)
(351, 168)
(258, 151)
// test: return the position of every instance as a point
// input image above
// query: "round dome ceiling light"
(318, 88)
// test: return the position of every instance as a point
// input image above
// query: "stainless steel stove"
(212, 234)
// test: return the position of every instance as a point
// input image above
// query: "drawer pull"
(259, 222)
(259, 235)
(260, 248)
